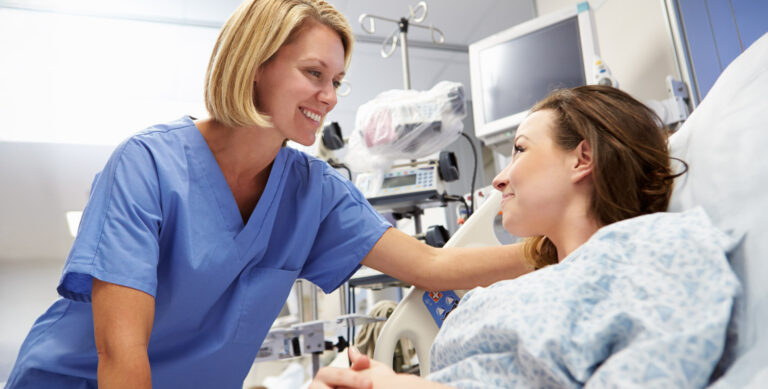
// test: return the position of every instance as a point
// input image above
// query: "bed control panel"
(440, 304)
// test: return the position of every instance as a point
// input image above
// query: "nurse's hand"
(339, 377)
(334, 377)
(374, 369)
(357, 360)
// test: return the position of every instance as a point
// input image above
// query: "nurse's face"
(297, 86)
(537, 183)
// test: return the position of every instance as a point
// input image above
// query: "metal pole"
(315, 363)
(417, 221)
(343, 298)
(404, 51)
(300, 298)
(313, 296)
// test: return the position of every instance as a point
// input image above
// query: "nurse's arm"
(430, 268)
(122, 323)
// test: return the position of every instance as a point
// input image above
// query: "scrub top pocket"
(264, 296)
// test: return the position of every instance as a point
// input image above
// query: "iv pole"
(401, 33)
(388, 48)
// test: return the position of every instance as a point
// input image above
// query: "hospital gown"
(644, 303)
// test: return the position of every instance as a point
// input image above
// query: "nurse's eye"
(315, 73)
(336, 84)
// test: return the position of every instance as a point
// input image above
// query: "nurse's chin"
(305, 141)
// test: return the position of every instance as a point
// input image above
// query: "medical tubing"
(474, 176)
(446, 197)
(337, 165)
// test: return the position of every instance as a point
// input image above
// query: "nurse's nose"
(327, 96)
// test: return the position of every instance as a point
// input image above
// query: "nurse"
(196, 229)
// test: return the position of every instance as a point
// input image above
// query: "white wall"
(91, 80)
(634, 43)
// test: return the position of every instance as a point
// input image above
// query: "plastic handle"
(410, 320)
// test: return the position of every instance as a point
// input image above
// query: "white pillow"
(725, 143)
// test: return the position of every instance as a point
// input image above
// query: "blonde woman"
(196, 229)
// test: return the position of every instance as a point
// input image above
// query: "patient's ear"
(582, 162)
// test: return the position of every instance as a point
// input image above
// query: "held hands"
(361, 375)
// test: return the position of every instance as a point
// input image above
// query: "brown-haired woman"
(583, 159)
(611, 163)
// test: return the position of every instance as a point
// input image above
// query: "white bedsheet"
(644, 303)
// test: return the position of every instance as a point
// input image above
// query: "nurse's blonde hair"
(250, 38)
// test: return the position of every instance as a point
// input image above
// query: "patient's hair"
(251, 37)
(631, 164)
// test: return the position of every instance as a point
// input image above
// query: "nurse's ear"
(257, 74)
(581, 162)
(256, 77)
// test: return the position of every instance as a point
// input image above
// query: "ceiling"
(43, 181)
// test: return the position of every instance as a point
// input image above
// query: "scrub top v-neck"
(244, 234)
(162, 219)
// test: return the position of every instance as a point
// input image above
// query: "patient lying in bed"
(644, 303)
(625, 295)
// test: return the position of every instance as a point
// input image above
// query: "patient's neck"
(576, 227)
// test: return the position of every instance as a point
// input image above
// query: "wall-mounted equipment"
(513, 69)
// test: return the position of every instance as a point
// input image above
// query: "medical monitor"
(513, 69)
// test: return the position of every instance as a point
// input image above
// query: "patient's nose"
(500, 181)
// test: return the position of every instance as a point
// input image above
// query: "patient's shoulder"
(668, 238)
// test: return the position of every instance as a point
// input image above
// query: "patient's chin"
(515, 229)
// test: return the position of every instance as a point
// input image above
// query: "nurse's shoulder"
(158, 137)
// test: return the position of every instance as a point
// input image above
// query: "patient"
(629, 301)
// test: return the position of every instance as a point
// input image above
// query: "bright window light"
(95, 80)
(73, 221)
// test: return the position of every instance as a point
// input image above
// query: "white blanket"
(644, 303)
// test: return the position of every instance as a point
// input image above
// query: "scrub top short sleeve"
(349, 229)
(118, 240)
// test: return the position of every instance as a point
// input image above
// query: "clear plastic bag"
(407, 124)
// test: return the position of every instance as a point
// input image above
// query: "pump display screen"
(395, 181)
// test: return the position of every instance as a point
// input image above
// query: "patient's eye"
(516, 149)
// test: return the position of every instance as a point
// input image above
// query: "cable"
(474, 176)
(447, 197)
(340, 166)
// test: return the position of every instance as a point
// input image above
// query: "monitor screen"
(515, 68)
(517, 73)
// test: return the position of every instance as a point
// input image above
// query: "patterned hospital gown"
(644, 303)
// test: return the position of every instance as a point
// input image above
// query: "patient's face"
(536, 185)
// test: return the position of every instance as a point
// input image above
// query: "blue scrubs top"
(162, 219)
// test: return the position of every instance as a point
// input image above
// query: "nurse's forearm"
(469, 267)
(128, 370)
(429, 268)
(122, 325)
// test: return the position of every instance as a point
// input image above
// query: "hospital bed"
(724, 142)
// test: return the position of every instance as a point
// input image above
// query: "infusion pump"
(403, 186)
